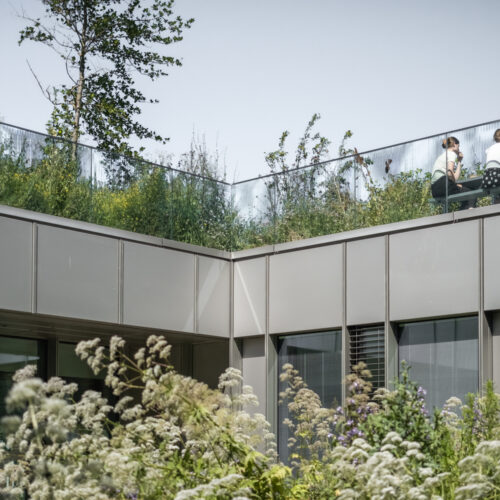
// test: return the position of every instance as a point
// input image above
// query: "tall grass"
(199, 209)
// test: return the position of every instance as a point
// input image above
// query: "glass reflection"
(443, 356)
(15, 353)
(318, 358)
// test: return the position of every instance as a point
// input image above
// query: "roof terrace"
(40, 173)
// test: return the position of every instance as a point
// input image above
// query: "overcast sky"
(389, 70)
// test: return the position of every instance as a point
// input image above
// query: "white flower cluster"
(167, 436)
(480, 473)
(361, 472)
(216, 488)
(354, 451)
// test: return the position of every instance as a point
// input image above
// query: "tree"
(105, 45)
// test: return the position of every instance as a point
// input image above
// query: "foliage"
(321, 198)
(390, 447)
(403, 411)
(307, 197)
(403, 197)
(168, 436)
(157, 200)
(193, 203)
(105, 45)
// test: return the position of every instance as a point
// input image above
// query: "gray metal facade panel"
(365, 281)
(305, 290)
(77, 275)
(111, 232)
(16, 251)
(250, 297)
(253, 370)
(492, 263)
(213, 299)
(158, 287)
(434, 271)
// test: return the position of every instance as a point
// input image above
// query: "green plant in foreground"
(393, 449)
(170, 437)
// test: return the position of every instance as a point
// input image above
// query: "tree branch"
(45, 92)
(67, 70)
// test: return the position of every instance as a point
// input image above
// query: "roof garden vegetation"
(306, 197)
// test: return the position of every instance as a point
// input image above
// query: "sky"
(388, 70)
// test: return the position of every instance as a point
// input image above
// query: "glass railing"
(49, 175)
(376, 187)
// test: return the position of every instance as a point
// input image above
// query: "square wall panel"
(365, 281)
(77, 274)
(434, 271)
(213, 296)
(158, 287)
(305, 290)
(250, 297)
(16, 261)
(492, 263)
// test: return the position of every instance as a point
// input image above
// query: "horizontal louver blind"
(367, 345)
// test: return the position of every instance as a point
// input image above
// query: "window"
(366, 344)
(14, 354)
(443, 355)
(318, 358)
(72, 369)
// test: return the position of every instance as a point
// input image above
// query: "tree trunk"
(79, 87)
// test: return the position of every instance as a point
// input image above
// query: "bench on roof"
(469, 195)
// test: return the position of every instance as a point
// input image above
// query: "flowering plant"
(167, 436)
(388, 446)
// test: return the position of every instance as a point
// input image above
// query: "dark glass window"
(318, 358)
(14, 354)
(443, 355)
(72, 369)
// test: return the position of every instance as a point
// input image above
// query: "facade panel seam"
(195, 298)
(121, 279)
(34, 267)
(345, 368)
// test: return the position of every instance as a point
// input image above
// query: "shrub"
(167, 436)
(390, 447)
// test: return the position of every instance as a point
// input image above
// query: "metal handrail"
(318, 164)
(121, 155)
(368, 151)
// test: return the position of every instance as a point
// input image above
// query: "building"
(425, 290)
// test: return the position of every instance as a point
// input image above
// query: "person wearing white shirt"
(491, 177)
(493, 152)
(447, 168)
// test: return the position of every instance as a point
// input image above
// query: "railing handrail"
(311, 165)
(130, 158)
(360, 153)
